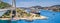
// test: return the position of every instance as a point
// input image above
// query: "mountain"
(37, 7)
(4, 5)
(55, 6)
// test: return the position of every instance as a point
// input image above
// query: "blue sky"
(28, 3)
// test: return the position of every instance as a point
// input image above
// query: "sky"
(29, 3)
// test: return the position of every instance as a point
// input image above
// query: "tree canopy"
(4, 5)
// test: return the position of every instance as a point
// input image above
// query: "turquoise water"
(5, 21)
(53, 17)
(13, 21)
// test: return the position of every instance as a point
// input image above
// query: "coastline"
(33, 18)
(5, 18)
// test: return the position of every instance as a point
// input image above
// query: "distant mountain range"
(40, 7)
(54, 7)
(57, 6)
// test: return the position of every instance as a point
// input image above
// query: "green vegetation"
(7, 14)
(37, 15)
(22, 13)
(4, 5)
(57, 10)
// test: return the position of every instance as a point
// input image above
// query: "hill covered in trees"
(4, 5)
